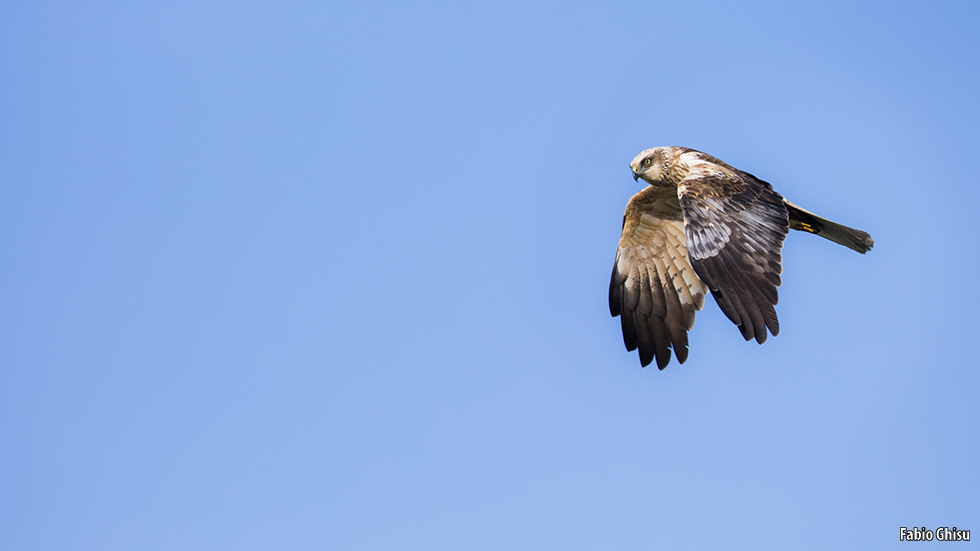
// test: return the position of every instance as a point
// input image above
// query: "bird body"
(703, 226)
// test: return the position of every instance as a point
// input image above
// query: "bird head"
(649, 165)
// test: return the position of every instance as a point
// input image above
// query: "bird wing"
(653, 287)
(735, 226)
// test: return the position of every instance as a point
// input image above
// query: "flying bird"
(703, 225)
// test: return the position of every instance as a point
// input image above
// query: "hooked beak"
(635, 176)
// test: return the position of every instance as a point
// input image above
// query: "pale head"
(649, 165)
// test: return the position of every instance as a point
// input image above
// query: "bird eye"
(646, 162)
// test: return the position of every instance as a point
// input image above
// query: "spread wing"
(735, 226)
(653, 286)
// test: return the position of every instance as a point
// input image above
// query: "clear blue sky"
(334, 276)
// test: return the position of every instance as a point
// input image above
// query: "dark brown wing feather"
(735, 226)
(653, 286)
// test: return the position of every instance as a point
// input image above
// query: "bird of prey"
(703, 225)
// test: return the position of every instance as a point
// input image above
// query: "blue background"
(334, 276)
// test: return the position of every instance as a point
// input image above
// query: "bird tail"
(804, 220)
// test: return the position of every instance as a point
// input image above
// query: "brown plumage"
(702, 225)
